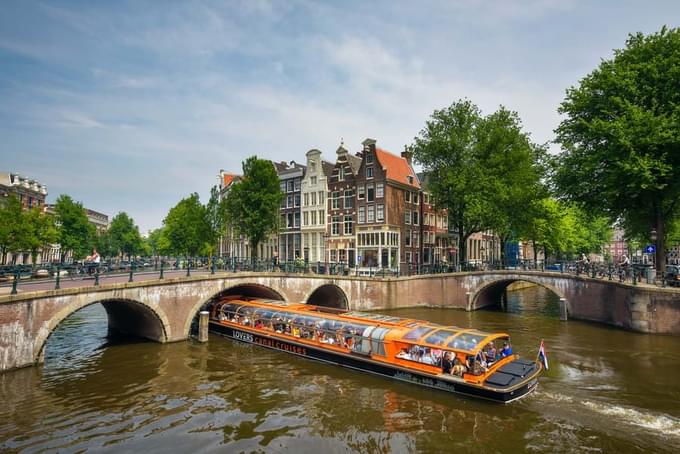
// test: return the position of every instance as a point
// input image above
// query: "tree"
(41, 231)
(216, 216)
(104, 244)
(253, 202)
(124, 235)
(483, 170)
(75, 233)
(12, 228)
(621, 140)
(186, 228)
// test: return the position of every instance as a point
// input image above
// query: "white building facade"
(314, 209)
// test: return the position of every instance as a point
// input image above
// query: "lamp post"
(653, 237)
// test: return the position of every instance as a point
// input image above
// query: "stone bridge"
(163, 310)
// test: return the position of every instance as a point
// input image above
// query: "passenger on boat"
(259, 324)
(447, 363)
(507, 350)
(221, 317)
(458, 368)
(490, 353)
(404, 354)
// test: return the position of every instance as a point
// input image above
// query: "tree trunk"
(535, 253)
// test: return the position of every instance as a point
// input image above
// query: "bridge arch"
(251, 289)
(489, 293)
(328, 295)
(125, 315)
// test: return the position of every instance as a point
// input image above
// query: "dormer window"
(410, 179)
(369, 158)
(369, 172)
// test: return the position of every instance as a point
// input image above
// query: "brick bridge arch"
(489, 293)
(125, 315)
(328, 295)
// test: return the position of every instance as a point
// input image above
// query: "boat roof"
(406, 330)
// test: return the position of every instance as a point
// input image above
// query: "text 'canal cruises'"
(464, 361)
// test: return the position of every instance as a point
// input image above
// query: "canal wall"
(163, 310)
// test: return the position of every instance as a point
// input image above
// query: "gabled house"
(314, 206)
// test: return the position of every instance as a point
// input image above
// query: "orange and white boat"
(463, 361)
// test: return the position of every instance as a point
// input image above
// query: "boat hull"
(366, 364)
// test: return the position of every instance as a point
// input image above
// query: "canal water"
(607, 390)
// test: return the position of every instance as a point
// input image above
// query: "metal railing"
(52, 275)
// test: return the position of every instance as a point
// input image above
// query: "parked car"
(673, 275)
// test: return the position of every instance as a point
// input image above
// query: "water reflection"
(607, 390)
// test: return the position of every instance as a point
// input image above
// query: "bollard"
(56, 283)
(203, 326)
(14, 283)
(468, 301)
(564, 314)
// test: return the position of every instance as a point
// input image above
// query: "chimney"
(408, 155)
(369, 144)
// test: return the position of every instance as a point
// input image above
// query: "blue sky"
(130, 106)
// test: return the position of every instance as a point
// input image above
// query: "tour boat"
(447, 358)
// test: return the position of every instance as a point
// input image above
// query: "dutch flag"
(542, 356)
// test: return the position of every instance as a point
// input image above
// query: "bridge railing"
(78, 274)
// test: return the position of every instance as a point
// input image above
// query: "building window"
(297, 184)
(362, 214)
(305, 219)
(290, 201)
(322, 219)
(371, 213)
(283, 186)
(407, 217)
(407, 238)
(369, 158)
(349, 224)
(306, 198)
(416, 239)
(312, 181)
(297, 200)
(415, 197)
(362, 192)
(426, 198)
(407, 196)
(380, 213)
(322, 200)
(341, 173)
(380, 190)
(370, 193)
(415, 217)
(335, 200)
(349, 199)
(290, 186)
(335, 225)
(290, 220)
(313, 198)
(297, 220)
(369, 172)
(408, 257)
(313, 216)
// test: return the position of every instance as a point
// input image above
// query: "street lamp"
(653, 237)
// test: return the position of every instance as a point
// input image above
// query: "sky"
(133, 105)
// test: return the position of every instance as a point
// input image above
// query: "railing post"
(96, 277)
(15, 283)
(56, 284)
(131, 271)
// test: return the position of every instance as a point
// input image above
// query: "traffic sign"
(650, 249)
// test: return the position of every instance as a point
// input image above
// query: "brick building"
(29, 192)
(341, 218)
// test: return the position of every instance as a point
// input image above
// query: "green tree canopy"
(13, 228)
(124, 236)
(253, 202)
(621, 137)
(216, 216)
(75, 233)
(41, 231)
(483, 169)
(186, 227)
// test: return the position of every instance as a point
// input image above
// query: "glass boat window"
(466, 341)
(417, 333)
(439, 337)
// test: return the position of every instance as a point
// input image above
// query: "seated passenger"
(490, 353)
(259, 324)
(447, 363)
(404, 354)
(296, 331)
(458, 368)
(507, 350)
